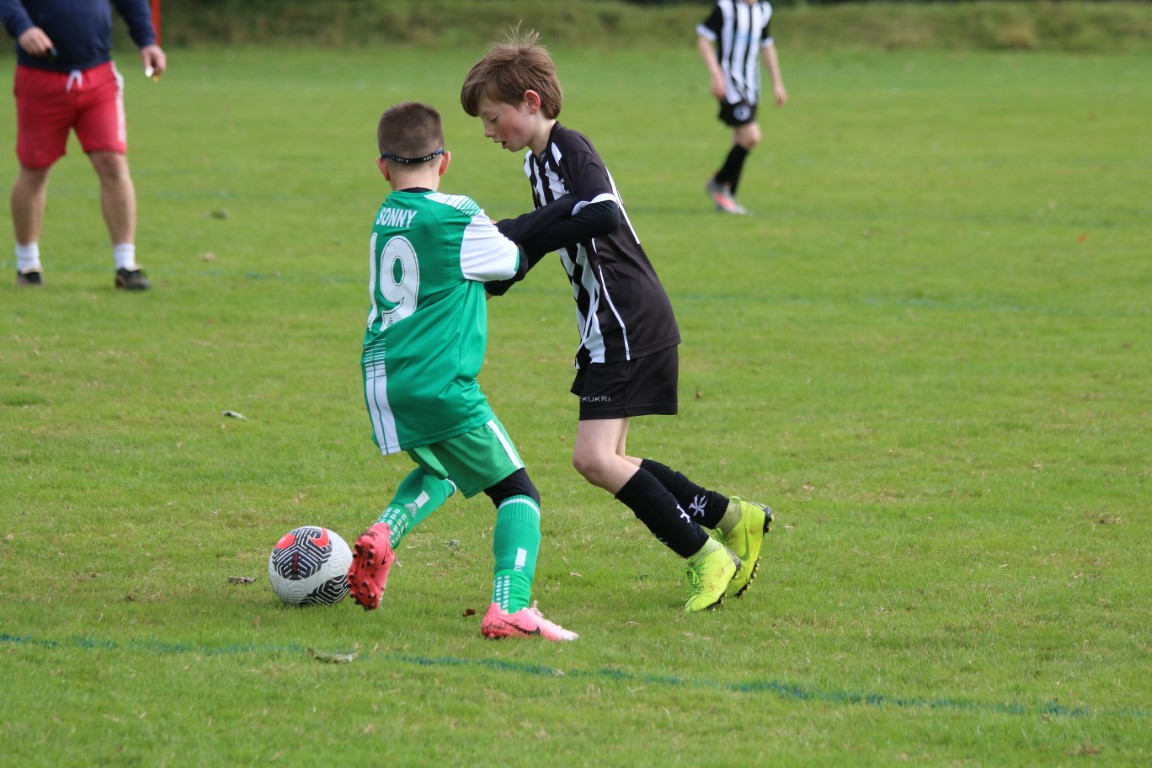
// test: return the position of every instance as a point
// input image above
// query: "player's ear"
(382, 164)
(445, 159)
(533, 100)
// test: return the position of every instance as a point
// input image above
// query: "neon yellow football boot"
(746, 540)
(709, 575)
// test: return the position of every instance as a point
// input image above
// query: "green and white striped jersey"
(428, 324)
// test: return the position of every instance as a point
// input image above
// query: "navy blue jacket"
(81, 30)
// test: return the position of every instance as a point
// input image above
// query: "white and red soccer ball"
(309, 566)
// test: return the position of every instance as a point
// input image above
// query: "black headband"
(410, 160)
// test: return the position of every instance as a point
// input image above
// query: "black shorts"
(645, 386)
(738, 114)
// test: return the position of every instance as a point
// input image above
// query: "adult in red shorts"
(66, 81)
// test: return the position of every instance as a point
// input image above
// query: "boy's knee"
(583, 463)
(516, 484)
(748, 136)
(591, 467)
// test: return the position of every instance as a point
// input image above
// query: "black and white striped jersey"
(622, 310)
(740, 30)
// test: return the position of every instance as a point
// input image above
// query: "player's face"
(512, 126)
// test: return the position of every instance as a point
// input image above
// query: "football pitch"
(929, 349)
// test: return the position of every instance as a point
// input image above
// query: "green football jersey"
(428, 323)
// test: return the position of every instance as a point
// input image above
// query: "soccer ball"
(309, 566)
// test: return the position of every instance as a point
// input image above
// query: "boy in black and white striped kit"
(627, 364)
(732, 40)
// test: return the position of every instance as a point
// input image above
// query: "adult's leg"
(117, 195)
(29, 198)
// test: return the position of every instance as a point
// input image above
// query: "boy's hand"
(717, 85)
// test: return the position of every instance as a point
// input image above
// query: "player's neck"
(416, 180)
(541, 135)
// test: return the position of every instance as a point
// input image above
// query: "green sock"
(515, 545)
(419, 495)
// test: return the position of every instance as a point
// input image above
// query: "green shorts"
(474, 461)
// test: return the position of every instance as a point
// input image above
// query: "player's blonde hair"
(517, 64)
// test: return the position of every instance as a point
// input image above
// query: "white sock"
(731, 517)
(28, 257)
(125, 255)
(710, 546)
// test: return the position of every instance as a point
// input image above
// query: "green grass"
(928, 350)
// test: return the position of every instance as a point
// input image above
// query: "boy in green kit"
(424, 345)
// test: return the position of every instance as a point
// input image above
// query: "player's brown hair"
(409, 130)
(511, 67)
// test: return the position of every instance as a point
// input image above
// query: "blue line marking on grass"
(781, 690)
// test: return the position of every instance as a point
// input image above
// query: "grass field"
(928, 350)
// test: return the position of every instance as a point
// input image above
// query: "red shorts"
(50, 104)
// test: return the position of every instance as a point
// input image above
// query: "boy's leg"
(486, 459)
(515, 541)
(722, 187)
(729, 174)
(659, 510)
(515, 547)
(742, 524)
(706, 507)
(745, 138)
(644, 386)
(420, 494)
(598, 457)
(710, 565)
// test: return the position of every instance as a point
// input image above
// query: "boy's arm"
(591, 220)
(768, 53)
(526, 227)
(708, 53)
(534, 222)
(486, 254)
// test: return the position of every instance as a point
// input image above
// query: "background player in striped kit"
(731, 41)
(627, 361)
(423, 348)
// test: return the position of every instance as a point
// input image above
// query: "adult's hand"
(36, 42)
(154, 59)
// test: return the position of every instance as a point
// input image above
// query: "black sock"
(733, 167)
(658, 509)
(706, 507)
